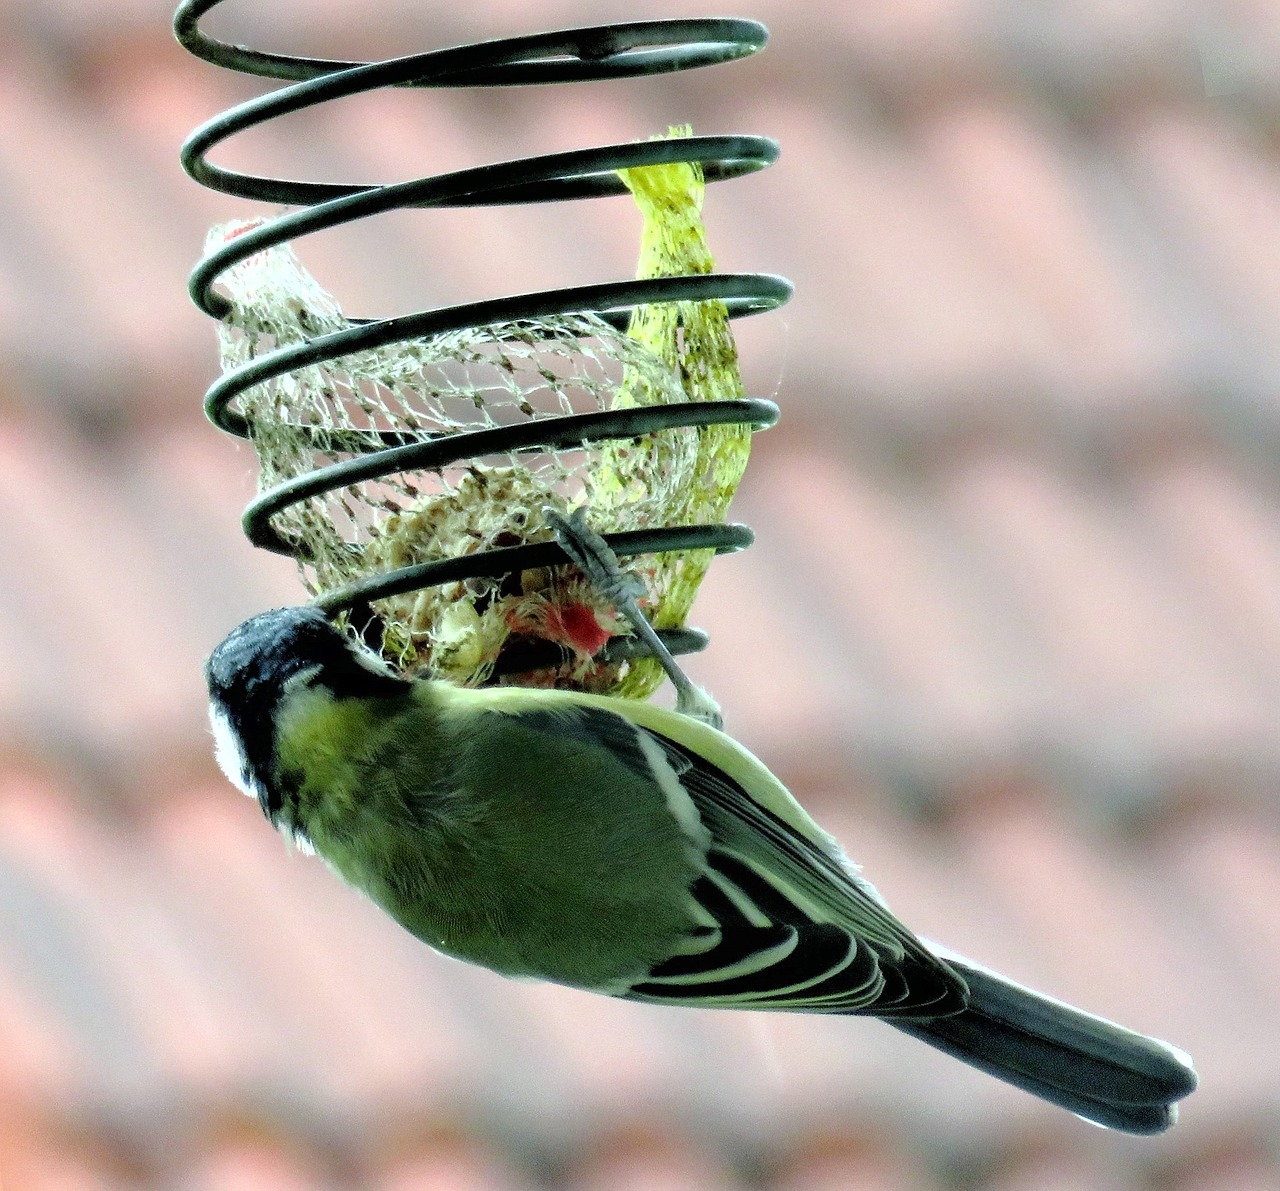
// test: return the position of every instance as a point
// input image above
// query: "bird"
(618, 846)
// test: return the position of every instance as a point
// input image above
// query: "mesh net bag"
(486, 377)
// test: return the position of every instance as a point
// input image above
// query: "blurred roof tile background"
(1011, 626)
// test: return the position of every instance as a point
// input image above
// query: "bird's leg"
(593, 557)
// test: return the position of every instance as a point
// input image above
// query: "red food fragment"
(577, 626)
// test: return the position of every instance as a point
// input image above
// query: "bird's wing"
(797, 929)
(783, 922)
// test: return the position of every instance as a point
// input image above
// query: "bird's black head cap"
(251, 671)
(259, 656)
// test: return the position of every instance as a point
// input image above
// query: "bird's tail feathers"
(1092, 1067)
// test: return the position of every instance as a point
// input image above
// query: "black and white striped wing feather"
(783, 922)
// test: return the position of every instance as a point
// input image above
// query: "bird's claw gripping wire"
(593, 557)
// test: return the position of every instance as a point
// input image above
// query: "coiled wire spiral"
(613, 51)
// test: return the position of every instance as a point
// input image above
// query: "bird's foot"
(594, 558)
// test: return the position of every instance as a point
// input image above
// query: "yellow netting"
(694, 340)
(488, 377)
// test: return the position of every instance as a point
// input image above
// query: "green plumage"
(496, 838)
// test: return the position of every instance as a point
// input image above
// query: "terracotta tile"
(1225, 532)
(894, 601)
(1236, 855)
(1221, 868)
(915, 26)
(449, 1163)
(20, 325)
(1239, 1163)
(1135, 661)
(19, 690)
(150, 111)
(1261, 16)
(49, 1166)
(930, 883)
(895, 302)
(1109, 947)
(1059, 1168)
(400, 27)
(852, 1162)
(1042, 529)
(86, 564)
(1217, 189)
(256, 1162)
(772, 668)
(168, 1013)
(81, 17)
(606, 1058)
(464, 255)
(1020, 178)
(66, 939)
(933, 886)
(1085, 44)
(642, 1159)
(364, 1014)
(1096, 913)
(46, 704)
(754, 1076)
(114, 259)
(192, 483)
(43, 1064)
(155, 110)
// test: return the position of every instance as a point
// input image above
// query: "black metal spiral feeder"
(615, 51)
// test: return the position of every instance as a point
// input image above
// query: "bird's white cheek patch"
(228, 753)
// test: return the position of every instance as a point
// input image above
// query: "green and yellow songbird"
(627, 849)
